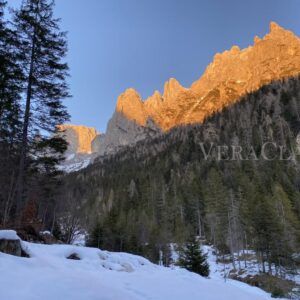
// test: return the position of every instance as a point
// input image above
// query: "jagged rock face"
(122, 131)
(131, 105)
(231, 75)
(79, 138)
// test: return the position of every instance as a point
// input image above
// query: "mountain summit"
(232, 74)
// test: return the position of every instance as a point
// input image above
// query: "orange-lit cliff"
(232, 74)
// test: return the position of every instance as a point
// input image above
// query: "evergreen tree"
(11, 77)
(193, 259)
(10, 82)
(95, 238)
(216, 209)
(42, 50)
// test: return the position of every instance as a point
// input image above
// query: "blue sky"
(116, 44)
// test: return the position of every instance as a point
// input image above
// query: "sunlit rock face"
(122, 131)
(79, 138)
(232, 74)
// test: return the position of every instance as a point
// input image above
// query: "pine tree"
(10, 82)
(11, 77)
(193, 259)
(42, 47)
(95, 238)
(215, 196)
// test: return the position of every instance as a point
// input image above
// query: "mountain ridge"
(231, 75)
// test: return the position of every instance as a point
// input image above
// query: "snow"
(222, 270)
(8, 235)
(252, 268)
(45, 232)
(102, 275)
(73, 164)
(79, 239)
(71, 156)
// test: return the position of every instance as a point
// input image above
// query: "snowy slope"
(76, 162)
(101, 275)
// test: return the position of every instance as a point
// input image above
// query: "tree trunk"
(246, 247)
(231, 243)
(53, 220)
(199, 223)
(24, 145)
(263, 262)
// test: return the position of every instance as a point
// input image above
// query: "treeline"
(32, 87)
(163, 190)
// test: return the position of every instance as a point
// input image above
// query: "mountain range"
(231, 75)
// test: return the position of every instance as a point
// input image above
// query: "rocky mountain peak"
(275, 28)
(171, 89)
(79, 138)
(153, 102)
(232, 74)
(131, 105)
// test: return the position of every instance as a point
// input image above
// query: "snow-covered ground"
(101, 275)
(75, 163)
(251, 268)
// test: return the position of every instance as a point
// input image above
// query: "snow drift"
(100, 275)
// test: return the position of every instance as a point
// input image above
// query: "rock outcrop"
(79, 153)
(232, 74)
(79, 138)
(10, 243)
(122, 131)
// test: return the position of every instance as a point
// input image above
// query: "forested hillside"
(162, 190)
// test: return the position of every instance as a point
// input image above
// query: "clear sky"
(116, 44)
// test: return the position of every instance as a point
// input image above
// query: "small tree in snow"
(193, 259)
